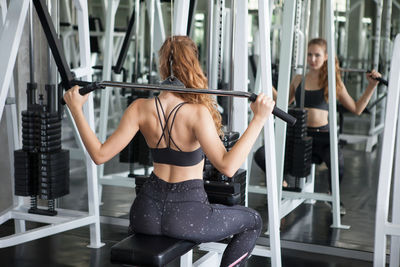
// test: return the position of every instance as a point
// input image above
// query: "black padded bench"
(149, 250)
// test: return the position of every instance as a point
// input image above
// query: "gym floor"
(306, 236)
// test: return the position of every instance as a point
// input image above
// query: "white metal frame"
(390, 146)
(66, 219)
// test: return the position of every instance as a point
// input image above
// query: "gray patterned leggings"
(181, 210)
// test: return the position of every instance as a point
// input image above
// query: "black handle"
(87, 89)
(289, 119)
(380, 79)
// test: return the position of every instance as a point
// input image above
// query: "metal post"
(107, 65)
(295, 59)
(210, 39)
(137, 15)
(240, 67)
(283, 86)
(330, 30)
(91, 171)
(12, 130)
(395, 240)
(377, 41)
(305, 48)
(150, 9)
(158, 27)
(382, 225)
(270, 161)
(217, 40)
(10, 38)
(181, 14)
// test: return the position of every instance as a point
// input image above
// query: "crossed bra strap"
(167, 155)
(165, 127)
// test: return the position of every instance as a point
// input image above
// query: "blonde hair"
(323, 74)
(186, 67)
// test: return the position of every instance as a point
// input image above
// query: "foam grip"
(86, 89)
(289, 119)
(380, 79)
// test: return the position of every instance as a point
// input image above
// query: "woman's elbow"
(98, 160)
(228, 171)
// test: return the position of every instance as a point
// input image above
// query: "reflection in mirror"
(211, 27)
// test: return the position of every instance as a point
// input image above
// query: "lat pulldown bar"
(68, 80)
(174, 85)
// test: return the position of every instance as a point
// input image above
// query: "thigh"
(203, 222)
(145, 215)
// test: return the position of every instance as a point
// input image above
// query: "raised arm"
(359, 106)
(100, 153)
(229, 162)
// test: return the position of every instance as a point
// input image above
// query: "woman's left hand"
(371, 77)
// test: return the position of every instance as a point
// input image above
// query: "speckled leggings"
(181, 210)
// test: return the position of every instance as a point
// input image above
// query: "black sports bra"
(167, 155)
(312, 98)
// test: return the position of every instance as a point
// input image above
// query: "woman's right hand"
(74, 99)
(262, 107)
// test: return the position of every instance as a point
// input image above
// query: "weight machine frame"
(13, 23)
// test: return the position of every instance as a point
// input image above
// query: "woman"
(316, 101)
(180, 129)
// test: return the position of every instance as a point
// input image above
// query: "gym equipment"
(220, 188)
(149, 250)
(298, 146)
(66, 219)
(172, 84)
(41, 166)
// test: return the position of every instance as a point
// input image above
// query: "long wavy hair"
(186, 67)
(323, 74)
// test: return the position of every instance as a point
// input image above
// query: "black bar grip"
(380, 79)
(89, 87)
(289, 119)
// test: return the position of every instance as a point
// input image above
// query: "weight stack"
(298, 151)
(137, 150)
(41, 167)
(26, 178)
(220, 188)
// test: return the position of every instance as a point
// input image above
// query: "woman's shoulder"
(141, 104)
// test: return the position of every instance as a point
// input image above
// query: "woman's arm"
(99, 152)
(229, 162)
(292, 88)
(359, 106)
